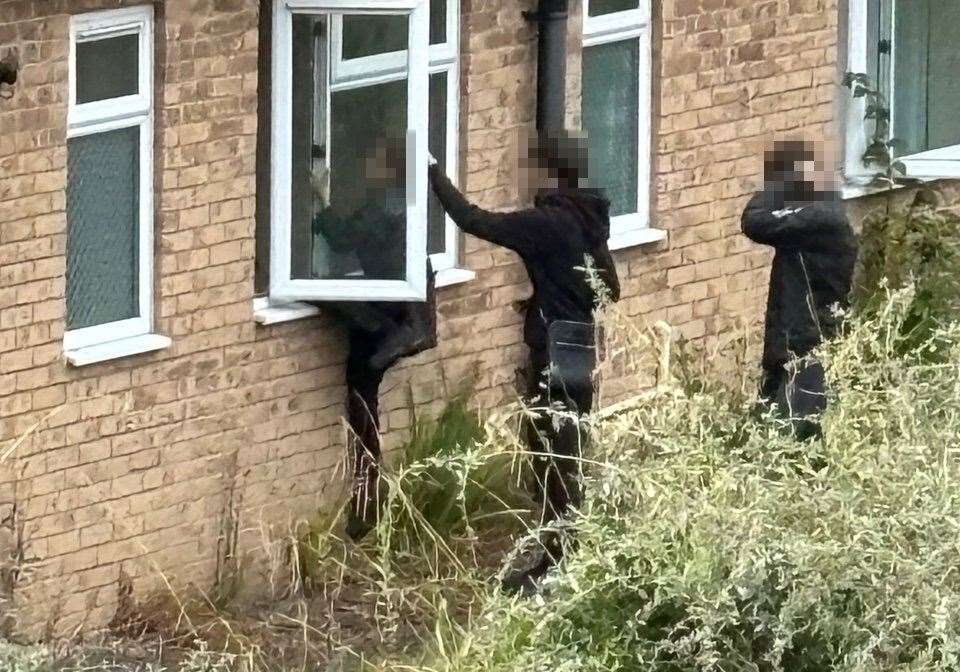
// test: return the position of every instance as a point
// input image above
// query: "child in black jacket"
(566, 230)
(812, 272)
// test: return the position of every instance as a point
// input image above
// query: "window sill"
(852, 190)
(266, 313)
(635, 237)
(124, 347)
(453, 276)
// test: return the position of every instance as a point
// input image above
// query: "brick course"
(144, 465)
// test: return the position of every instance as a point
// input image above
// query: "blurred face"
(806, 165)
(381, 168)
(531, 174)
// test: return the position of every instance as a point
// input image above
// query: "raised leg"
(363, 389)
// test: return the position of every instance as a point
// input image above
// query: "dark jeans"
(566, 384)
(799, 394)
(380, 334)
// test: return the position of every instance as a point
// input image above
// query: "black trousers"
(799, 393)
(379, 335)
(564, 382)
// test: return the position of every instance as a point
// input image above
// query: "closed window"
(356, 88)
(109, 187)
(909, 50)
(616, 109)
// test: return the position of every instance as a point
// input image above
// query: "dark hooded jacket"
(552, 239)
(812, 270)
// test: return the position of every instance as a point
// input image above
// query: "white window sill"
(624, 239)
(453, 276)
(124, 347)
(266, 312)
(852, 190)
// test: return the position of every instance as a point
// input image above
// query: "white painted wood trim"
(266, 311)
(124, 347)
(353, 6)
(453, 276)
(937, 163)
(635, 237)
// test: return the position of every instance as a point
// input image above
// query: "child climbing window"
(346, 76)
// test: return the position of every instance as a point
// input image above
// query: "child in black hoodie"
(566, 230)
(815, 253)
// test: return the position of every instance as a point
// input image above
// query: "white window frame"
(635, 24)
(283, 288)
(391, 66)
(936, 163)
(130, 336)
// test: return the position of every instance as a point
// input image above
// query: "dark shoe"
(523, 583)
(525, 579)
(357, 528)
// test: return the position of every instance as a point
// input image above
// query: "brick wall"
(150, 464)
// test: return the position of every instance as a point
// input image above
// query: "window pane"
(926, 92)
(362, 232)
(438, 21)
(103, 236)
(943, 80)
(370, 35)
(108, 68)
(599, 7)
(611, 81)
(437, 224)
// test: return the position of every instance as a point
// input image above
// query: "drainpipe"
(551, 18)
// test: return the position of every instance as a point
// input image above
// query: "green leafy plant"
(917, 244)
(881, 147)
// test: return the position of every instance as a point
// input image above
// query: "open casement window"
(109, 283)
(361, 139)
(373, 49)
(616, 112)
(909, 49)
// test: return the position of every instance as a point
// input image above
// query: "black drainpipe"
(551, 17)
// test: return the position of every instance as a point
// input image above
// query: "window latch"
(884, 46)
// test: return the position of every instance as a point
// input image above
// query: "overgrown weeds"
(708, 539)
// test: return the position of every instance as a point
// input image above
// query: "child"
(566, 230)
(380, 333)
(815, 253)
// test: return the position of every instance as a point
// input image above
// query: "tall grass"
(709, 541)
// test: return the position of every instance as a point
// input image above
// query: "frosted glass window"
(600, 7)
(108, 68)
(103, 222)
(611, 83)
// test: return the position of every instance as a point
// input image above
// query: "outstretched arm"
(519, 231)
(810, 226)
